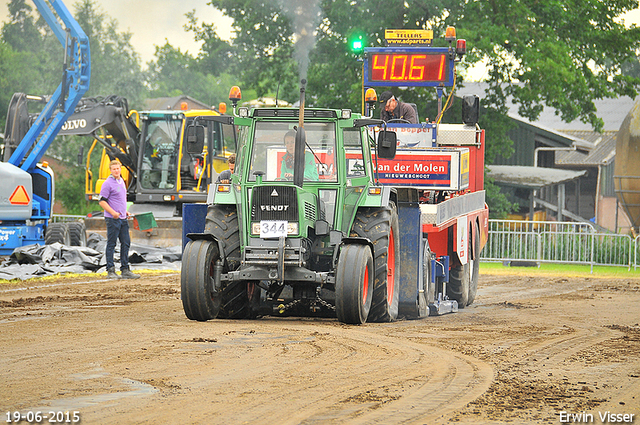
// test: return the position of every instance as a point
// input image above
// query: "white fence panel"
(558, 242)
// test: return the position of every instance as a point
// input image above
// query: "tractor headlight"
(292, 228)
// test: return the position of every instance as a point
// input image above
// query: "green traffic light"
(357, 43)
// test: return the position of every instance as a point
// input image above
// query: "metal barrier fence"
(57, 218)
(559, 242)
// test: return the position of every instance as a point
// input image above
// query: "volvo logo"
(274, 207)
(74, 124)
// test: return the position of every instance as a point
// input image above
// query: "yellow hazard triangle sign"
(19, 196)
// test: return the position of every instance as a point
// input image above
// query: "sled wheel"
(77, 233)
(460, 277)
(57, 232)
(474, 267)
(430, 287)
(354, 284)
(200, 300)
(380, 226)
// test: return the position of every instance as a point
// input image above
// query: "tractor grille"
(309, 211)
(290, 113)
(274, 203)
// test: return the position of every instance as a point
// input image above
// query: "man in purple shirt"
(113, 199)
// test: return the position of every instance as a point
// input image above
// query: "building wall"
(607, 217)
(523, 147)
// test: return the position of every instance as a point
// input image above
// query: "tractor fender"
(350, 240)
(208, 237)
(377, 200)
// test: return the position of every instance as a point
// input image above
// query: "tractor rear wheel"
(354, 284)
(380, 226)
(77, 233)
(200, 300)
(57, 232)
(222, 223)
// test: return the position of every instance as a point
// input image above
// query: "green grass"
(561, 270)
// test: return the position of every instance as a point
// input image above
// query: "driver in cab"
(286, 166)
(392, 109)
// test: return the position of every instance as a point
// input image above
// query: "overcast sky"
(153, 21)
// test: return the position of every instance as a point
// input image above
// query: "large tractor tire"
(238, 297)
(200, 300)
(354, 284)
(222, 222)
(57, 232)
(380, 226)
(77, 233)
(463, 279)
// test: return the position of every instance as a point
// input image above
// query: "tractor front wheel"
(354, 284)
(200, 299)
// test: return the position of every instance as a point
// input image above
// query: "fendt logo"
(274, 207)
(74, 124)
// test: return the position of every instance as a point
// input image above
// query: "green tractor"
(302, 228)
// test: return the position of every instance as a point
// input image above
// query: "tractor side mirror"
(387, 141)
(195, 139)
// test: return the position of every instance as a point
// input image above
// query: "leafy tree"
(216, 55)
(174, 73)
(21, 31)
(631, 68)
(35, 42)
(562, 54)
(16, 70)
(115, 65)
(70, 192)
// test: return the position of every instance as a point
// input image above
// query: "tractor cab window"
(223, 145)
(160, 152)
(355, 156)
(273, 151)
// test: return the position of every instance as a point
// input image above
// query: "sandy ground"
(530, 350)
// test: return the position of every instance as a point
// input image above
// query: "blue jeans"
(117, 229)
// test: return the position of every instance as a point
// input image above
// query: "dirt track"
(121, 352)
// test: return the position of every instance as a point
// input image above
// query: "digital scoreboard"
(408, 66)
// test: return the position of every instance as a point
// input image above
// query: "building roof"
(530, 177)
(612, 111)
(602, 152)
(173, 103)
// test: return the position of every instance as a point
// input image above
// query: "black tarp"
(44, 260)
